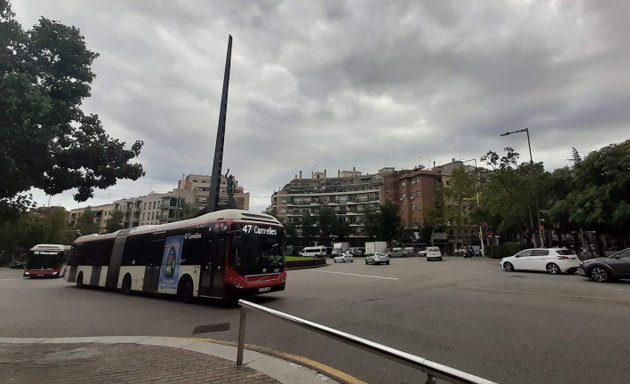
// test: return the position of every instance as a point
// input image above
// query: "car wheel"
(571, 271)
(366, 262)
(599, 274)
(508, 266)
(387, 262)
(553, 268)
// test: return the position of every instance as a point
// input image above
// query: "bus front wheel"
(185, 290)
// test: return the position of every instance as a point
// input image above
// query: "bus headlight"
(27, 273)
(55, 272)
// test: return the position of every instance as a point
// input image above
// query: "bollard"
(241, 337)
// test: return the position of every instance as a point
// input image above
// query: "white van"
(318, 251)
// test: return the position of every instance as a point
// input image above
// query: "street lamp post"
(531, 161)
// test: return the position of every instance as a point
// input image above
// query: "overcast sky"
(339, 84)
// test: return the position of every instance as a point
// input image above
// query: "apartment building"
(154, 208)
(413, 191)
(350, 194)
(158, 208)
(200, 184)
(101, 214)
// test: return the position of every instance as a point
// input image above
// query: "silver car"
(377, 258)
(343, 258)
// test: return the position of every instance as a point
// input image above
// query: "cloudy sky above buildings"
(339, 84)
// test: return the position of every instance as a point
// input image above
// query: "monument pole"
(215, 179)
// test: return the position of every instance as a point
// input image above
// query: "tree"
(330, 226)
(47, 141)
(29, 229)
(86, 224)
(308, 226)
(114, 222)
(460, 193)
(382, 223)
(600, 198)
(188, 210)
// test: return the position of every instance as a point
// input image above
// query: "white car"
(377, 258)
(552, 260)
(343, 258)
(434, 253)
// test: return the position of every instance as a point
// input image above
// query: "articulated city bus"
(46, 260)
(225, 254)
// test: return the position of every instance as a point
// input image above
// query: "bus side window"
(191, 254)
(156, 249)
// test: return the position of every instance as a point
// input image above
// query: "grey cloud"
(337, 84)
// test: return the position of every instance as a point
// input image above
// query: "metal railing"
(432, 369)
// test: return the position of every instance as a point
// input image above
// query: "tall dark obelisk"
(215, 180)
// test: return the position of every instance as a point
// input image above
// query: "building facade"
(413, 191)
(101, 214)
(159, 208)
(200, 185)
(349, 194)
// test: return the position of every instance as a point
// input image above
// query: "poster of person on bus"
(169, 272)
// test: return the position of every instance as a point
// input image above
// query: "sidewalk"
(141, 359)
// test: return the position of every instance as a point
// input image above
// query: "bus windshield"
(44, 259)
(257, 249)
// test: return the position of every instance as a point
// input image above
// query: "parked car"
(345, 257)
(398, 253)
(552, 260)
(422, 253)
(377, 258)
(434, 253)
(17, 264)
(615, 266)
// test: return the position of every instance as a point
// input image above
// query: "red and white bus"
(225, 254)
(46, 260)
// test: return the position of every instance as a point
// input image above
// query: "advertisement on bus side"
(169, 272)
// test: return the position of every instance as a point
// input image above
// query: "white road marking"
(356, 274)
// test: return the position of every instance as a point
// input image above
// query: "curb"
(283, 367)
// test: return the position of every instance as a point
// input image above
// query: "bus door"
(213, 266)
(153, 265)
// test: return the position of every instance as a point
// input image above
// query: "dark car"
(615, 266)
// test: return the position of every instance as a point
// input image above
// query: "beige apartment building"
(200, 184)
(350, 194)
(101, 213)
(158, 208)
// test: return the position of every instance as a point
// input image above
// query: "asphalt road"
(519, 327)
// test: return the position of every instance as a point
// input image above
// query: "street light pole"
(531, 162)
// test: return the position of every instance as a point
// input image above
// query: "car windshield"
(257, 249)
(564, 252)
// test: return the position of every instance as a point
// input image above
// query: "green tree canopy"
(46, 140)
(382, 223)
(114, 222)
(86, 223)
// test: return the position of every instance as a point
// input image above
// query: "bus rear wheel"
(126, 285)
(185, 290)
(79, 282)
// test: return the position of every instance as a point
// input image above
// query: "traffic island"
(298, 262)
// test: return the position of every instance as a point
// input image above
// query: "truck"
(339, 248)
(375, 246)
